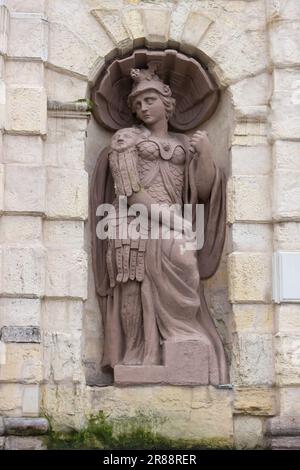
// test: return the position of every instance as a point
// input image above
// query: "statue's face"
(149, 108)
(123, 139)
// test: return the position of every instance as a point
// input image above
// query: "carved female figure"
(151, 289)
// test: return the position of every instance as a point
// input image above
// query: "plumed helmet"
(147, 79)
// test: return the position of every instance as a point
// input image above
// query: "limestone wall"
(53, 51)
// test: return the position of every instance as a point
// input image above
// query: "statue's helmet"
(146, 80)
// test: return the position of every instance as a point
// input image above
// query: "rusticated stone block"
(67, 194)
(249, 277)
(24, 443)
(285, 37)
(26, 110)
(23, 270)
(283, 426)
(23, 149)
(255, 401)
(253, 359)
(23, 363)
(66, 273)
(28, 36)
(286, 202)
(31, 6)
(25, 426)
(287, 358)
(20, 334)
(249, 199)
(284, 443)
(248, 432)
(289, 400)
(24, 188)
(19, 312)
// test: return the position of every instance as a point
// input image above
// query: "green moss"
(126, 433)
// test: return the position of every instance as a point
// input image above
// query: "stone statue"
(157, 325)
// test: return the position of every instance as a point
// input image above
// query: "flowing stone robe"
(169, 302)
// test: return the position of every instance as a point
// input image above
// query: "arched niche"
(213, 113)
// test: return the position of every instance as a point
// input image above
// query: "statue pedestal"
(184, 363)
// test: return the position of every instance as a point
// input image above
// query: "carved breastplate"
(162, 177)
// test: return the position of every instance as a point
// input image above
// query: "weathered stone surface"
(62, 316)
(62, 322)
(77, 17)
(157, 25)
(287, 236)
(253, 359)
(20, 334)
(23, 270)
(200, 412)
(23, 363)
(67, 194)
(250, 134)
(65, 144)
(25, 426)
(286, 191)
(22, 149)
(286, 155)
(19, 229)
(287, 359)
(68, 51)
(239, 56)
(248, 432)
(288, 318)
(31, 400)
(111, 20)
(249, 277)
(251, 160)
(64, 87)
(2, 179)
(24, 188)
(251, 237)
(251, 96)
(24, 73)
(1, 426)
(28, 36)
(24, 443)
(11, 399)
(249, 199)
(66, 273)
(133, 22)
(66, 233)
(284, 443)
(283, 426)
(253, 318)
(285, 104)
(32, 6)
(289, 400)
(195, 28)
(68, 405)
(255, 401)
(19, 312)
(283, 10)
(26, 110)
(285, 37)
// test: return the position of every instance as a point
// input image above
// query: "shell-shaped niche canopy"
(195, 91)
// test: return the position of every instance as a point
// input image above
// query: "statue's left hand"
(200, 144)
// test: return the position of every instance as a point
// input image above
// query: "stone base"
(185, 363)
(200, 414)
